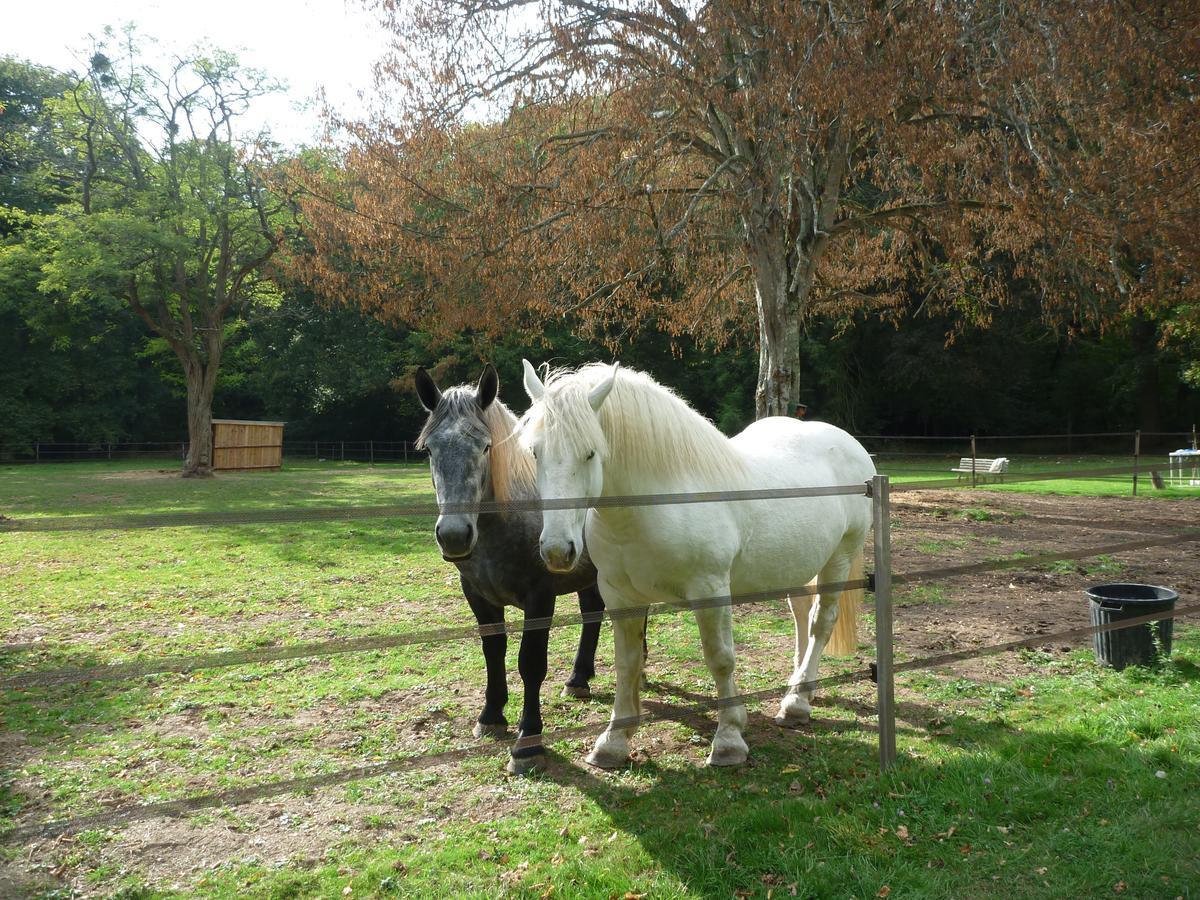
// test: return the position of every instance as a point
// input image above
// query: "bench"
(982, 469)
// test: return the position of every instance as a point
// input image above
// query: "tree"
(730, 164)
(68, 371)
(171, 216)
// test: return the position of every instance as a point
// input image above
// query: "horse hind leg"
(795, 708)
(591, 606)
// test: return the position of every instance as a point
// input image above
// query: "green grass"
(1046, 786)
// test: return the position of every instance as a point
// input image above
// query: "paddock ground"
(1015, 768)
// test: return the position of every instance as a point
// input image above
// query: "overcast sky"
(305, 43)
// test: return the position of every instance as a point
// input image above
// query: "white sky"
(306, 44)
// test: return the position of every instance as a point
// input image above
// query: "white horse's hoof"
(492, 730)
(527, 765)
(793, 712)
(605, 760)
(730, 754)
(579, 693)
(609, 753)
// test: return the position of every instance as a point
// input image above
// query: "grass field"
(1068, 781)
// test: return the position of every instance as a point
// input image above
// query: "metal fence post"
(37, 451)
(404, 444)
(372, 444)
(1137, 452)
(343, 451)
(881, 508)
(974, 482)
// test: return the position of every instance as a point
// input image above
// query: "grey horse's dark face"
(459, 446)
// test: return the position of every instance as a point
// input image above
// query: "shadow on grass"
(1041, 809)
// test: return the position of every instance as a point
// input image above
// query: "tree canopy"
(164, 208)
(733, 169)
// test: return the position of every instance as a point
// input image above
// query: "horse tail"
(844, 640)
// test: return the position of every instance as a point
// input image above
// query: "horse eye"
(487, 449)
(591, 453)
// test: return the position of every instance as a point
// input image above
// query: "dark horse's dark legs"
(528, 755)
(491, 721)
(591, 606)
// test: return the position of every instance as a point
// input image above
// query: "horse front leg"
(528, 755)
(591, 606)
(491, 722)
(629, 633)
(716, 635)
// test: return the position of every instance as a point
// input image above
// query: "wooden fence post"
(37, 451)
(974, 477)
(1137, 452)
(343, 451)
(372, 444)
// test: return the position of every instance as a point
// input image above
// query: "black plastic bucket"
(1135, 645)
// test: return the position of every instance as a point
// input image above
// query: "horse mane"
(513, 473)
(644, 425)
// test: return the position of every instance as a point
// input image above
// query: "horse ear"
(533, 385)
(489, 384)
(598, 394)
(427, 391)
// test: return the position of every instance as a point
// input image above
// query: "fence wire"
(223, 659)
(133, 522)
(403, 765)
(180, 664)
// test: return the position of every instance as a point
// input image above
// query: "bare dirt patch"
(941, 529)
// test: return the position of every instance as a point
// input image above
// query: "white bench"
(982, 469)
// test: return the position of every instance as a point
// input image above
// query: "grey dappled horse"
(474, 457)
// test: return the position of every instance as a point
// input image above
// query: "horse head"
(459, 442)
(563, 431)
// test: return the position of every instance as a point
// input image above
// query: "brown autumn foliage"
(721, 167)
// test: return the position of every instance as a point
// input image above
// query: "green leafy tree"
(170, 215)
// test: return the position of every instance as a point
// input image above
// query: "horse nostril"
(571, 550)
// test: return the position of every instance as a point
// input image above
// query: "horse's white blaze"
(647, 441)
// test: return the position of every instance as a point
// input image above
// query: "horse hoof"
(579, 692)
(604, 760)
(491, 729)
(527, 765)
(730, 755)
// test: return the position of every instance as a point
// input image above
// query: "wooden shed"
(239, 445)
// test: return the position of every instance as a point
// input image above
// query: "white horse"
(597, 434)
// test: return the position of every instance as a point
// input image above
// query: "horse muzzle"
(559, 556)
(455, 538)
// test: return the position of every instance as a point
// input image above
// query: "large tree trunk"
(780, 312)
(201, 382)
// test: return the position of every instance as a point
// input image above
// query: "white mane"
(644, 427)
(514, 475)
